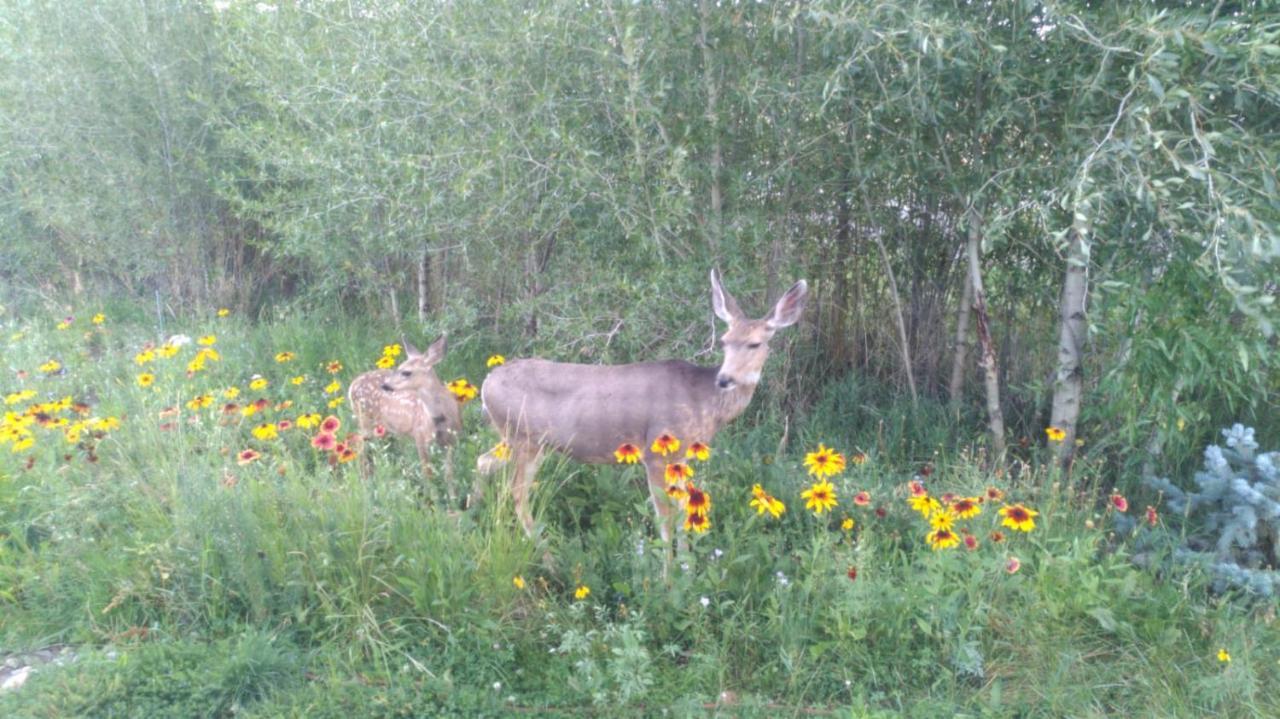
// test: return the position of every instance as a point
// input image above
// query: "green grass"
(194, 586)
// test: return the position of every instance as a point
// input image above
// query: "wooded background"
(562, 175)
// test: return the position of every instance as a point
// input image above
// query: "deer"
(410, 400)
(587, 411)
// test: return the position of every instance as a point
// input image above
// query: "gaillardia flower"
(1019, 517)
(627, 453)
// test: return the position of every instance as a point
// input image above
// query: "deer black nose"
(724, 382)
(387, 388)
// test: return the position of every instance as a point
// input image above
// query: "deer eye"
(753, 346)
(406, 373)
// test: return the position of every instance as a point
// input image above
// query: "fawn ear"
(435, 352)
(725, 307)
(409, 349)
(790, 305)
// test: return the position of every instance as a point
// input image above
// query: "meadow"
(169, 511)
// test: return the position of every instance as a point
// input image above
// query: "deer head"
(417, 370)
(746, 341)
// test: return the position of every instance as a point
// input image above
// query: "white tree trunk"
(991, 373)
(1068, 386)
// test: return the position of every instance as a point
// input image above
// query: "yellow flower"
(582, 592)
(285, 356)
(50, 367)
(258, 383)
(307, 421)
(207, 340)
(333, 367)
(144, 356)
(209, 353)
(820, 497)
(16, 397)
(332, 387)
(824, 462)
(200, 401)
(847, 524)
(627, 454)
(65, 324)
(298, 380)
(1019, 517)
(391, 350)
(966, 507)
(502, 451)
(697, 523)
(495, 360)
(223, 311)
(335, 402)
(677, 472)
(518, 581)
(942, 519)
(386, 362)
(463, 390)
(265, 431)
(249, 409)
(1054, 434)
(925, 505)
(99, 319)
(168, 350)
(231, 392)
(942, 539)
(699, 451)
(1224, 656)
(665, 444)
(146, 379)
(106, 424)
(763, 502)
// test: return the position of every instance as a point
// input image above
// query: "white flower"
(705, 601)
(781, 578)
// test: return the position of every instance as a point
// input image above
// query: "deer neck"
(731, 402)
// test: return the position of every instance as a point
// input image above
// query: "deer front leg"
(525, 462)
(655, 471)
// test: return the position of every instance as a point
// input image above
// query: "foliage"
(1237, 529)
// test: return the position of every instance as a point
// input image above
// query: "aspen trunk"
(991, 374)
(897, 312)
(424, 284)
(714, 226)
(1068, 387)
(959, 361)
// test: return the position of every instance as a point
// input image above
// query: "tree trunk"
(991, 374)
(1068, 386)
(897, 314)
(959, 363)
(424, 284)
(714, 225)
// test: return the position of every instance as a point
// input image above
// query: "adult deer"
(588, 411)
(410, 400)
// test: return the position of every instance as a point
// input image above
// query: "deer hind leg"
(525, 461)
(662, 506)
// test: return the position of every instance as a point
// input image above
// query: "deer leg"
(655, 472)
(526, 461)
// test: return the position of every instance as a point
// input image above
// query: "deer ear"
(725, 307)
(790, 305)
(435, 352)
(409, 348)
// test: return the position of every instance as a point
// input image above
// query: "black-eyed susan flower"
(942, 539)
(1119, 502)
(627, 453)
(50, 367)
(677, 493)
(332, 387)
(247, 456)
(501, 451)
(200, 401)
(824, 462)
(207, 341)
(266, 431)
(942, 519)
(495, 360)
(582, 592)
(65, 324)
(392, 350)
(1018, 517)
(677, 472)
(462, 390)
(696, 523)
(385, 362)
(697, 500)
(518, 581)
(223, 311)
(820, 497)
(862, 498)
(1224, 656)
(333, 403)
(966, 507)
(259, 383)
(300, 379)
(286, 356)
(847, 524)
(699, 451)
(98, 318)
(1055, 434)
(763, 502)
(924, 504)
(309, 420)
(665, 444)
(231, 392)
(146, 379)
(167, 350)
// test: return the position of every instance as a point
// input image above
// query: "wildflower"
(463, 390)
(627, 454)
(346, 454)
(22, 396)
(677, 493)
(307, 421)
(677, 472)
(705, 601)
(50, 367)
(824, 462)
(200, 401)
(1119, 502)
(295, 381)
(698, 501)
(209, 353)
(65, 324)
(333, 367)
(259, 383)
(167, 350)
(99, 319)
(997, 536)
(502, 451)
(665, 444)
(1055, 434)
(697, 523)
(146, 379)
(966, 507)
(582, 592)
(105, 424)
(847, 524)
(858, 458)
(247, 456)
(324, 442)
(862, 499)
(265, 431)
(820, 497)
(942, 519)
(925, 505)
(223, 311)
(917, 488)
(699, 451)
(391, 350)
(942, 539)
(380, 431)
(331, 425)
(207, 340)
(852, 573)
(385, 362)
(994, 494)
(495, 360)
(231, 392)
(284, 425)
(333, 403)
(1152, 516)
(765, 502)
(249, 409)
(970, 542)
(518, 581)
(1012, 565)
(332, 387)
(1019, 517)
(285, 357)
(171, 411)
(1224, 656)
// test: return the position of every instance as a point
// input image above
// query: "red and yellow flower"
(1019, 517)
(627, 453)
(942, 539)
(677, 472)
(665, 444)
(699, 451)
